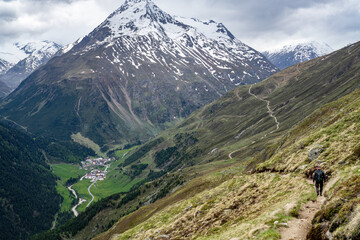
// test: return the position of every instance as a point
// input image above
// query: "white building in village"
(96, 174)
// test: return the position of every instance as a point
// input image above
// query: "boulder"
(315, 152)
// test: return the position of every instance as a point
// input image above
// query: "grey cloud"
(7, 16)
(7, 13)
(259, 23)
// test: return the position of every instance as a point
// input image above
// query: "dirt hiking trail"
(299, 227)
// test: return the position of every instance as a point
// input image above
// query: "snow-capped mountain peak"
(31, 47)
(143, 17)
(19, 51)
(141, 32)
(304, 50)
(136, 17)
(296, 53)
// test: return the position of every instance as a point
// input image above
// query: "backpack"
(318, 176)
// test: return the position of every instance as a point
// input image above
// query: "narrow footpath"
(299, 227)
(271, 113)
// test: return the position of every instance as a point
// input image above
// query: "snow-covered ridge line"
(293, 54)
(141, 17)
(319, 48)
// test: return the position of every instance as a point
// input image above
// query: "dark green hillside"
(28, 196)
(277, 200)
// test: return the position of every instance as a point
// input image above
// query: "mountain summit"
(292, 54)
(210, 43)
(137, 71)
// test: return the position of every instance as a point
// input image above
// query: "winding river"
(81, 201)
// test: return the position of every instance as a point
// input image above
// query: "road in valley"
(91, 193)
(92, 196)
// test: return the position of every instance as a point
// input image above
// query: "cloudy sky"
(262, 24)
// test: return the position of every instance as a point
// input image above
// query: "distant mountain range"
(138, 71)
(34, 55)
(292, 54)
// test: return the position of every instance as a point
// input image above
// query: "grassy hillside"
(258, 205)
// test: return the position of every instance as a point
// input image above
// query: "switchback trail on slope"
(271, 113)
(300, 227)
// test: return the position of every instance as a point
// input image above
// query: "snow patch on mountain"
(70, 46)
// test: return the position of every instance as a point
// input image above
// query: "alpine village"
(155, 126)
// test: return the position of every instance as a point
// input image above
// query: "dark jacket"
(321, 175)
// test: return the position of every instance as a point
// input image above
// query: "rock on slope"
(36, 55)
(292, 54)
(138, 70)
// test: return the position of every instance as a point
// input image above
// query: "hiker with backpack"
(319, 179)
